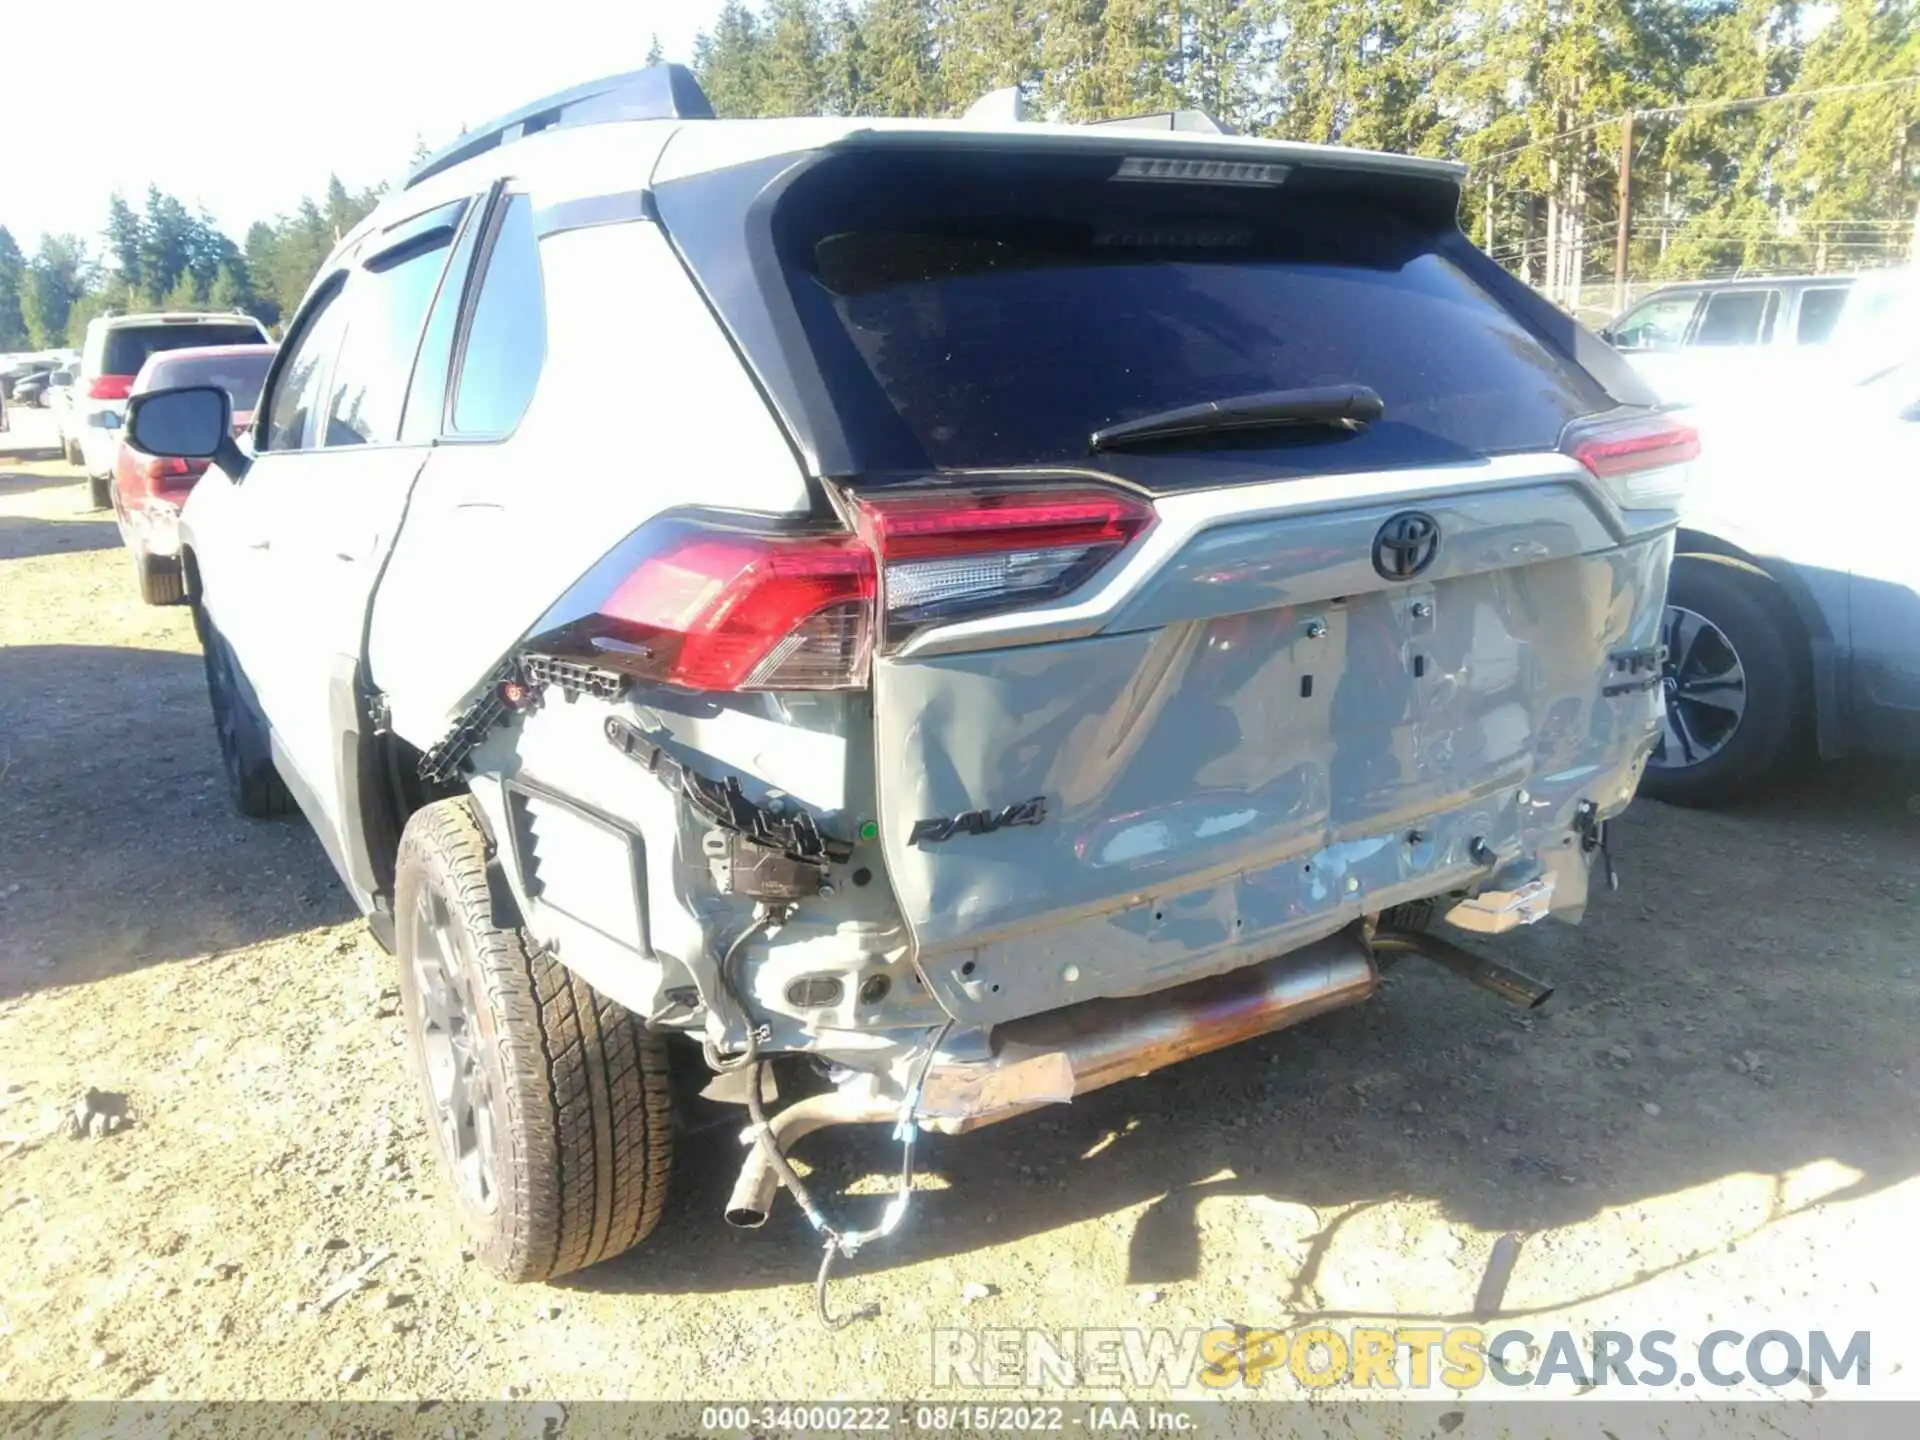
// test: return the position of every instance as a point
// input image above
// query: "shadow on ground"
(1727, 926)
(118, 847)
(24, 537)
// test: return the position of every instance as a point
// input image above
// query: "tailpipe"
(752, 1198)
(1509, 984)
(1053, 1057)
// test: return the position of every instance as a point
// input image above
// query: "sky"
(243, 106)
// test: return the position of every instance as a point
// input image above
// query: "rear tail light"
(110, 387)
(707, 608)
(1644, 460)
(162, 468)
(960, 554)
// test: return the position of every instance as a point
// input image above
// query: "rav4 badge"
(978, 822)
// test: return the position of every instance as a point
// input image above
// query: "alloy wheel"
(464, 1104)
(1705, 687)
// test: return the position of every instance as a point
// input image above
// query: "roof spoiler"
(659, 92)
(1009, 106)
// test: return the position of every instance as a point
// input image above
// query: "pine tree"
(126, 237)
(986, 45)
(56, 280)
(654, 53)
(897, 70)
(13, 266)
(793, 59)
(166, 242)
(731, 62)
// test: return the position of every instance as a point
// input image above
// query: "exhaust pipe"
(1509, 984)
(1056, 1056)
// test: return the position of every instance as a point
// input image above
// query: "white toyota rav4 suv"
(989, 610)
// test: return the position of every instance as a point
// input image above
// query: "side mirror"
(194, 422)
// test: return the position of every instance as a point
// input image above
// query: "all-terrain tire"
(1759, 624)
(100, 491)
(160, 579)
(578, 1089)
(246, 751)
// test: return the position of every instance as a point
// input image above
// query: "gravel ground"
(1713, 1126)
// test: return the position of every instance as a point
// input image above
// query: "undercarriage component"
(1494, 912)
(754, 850)
(1509, 984)
(1053, 1057)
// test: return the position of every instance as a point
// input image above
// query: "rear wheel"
(1735, 685)
(71, 448)
(549, 1104)
(246, 751)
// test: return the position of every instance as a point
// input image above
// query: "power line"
(1747, 103)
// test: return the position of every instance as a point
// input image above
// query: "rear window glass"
(241, 376)
(970, 314)
(1819, 310)
(128, 348)
(1734, 317)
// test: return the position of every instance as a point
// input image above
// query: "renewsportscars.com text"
(1390, 1358)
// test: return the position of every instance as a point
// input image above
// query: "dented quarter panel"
(814, 750)
(1223, 786)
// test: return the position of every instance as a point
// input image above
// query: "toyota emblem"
(1406, 545)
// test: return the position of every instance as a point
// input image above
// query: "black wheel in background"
(1736, 686)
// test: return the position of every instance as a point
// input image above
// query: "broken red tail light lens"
(961, 554)
(1642, 459)
(705, 608)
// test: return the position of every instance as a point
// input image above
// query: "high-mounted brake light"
(959, 554)
(110, 387)
(706, 608)
(1642, 459)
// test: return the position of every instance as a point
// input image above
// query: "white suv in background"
(955, 614)
(115, 348)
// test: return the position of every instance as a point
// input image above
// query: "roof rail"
(659, 92)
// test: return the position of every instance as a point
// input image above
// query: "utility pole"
(1624, 232)
(1488, 247)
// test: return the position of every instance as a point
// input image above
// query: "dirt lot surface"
(1713, 1126)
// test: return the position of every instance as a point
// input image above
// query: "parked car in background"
(1075, 597)
(148, 490)
(1793, 622)
(116, 347)
(19, 367)
(28, 389)
(1716, 338)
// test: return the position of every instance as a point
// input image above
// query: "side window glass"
(1732, 317)
(390, 300)
(427, 397)
(296, 400)
(1657, 325)
(506, 338)
(1819, 309)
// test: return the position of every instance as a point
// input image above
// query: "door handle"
(263, 543)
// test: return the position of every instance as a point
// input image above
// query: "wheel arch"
(1812, 630)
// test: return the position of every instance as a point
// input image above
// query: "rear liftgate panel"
(1265, 741)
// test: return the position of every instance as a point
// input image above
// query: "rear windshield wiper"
(1339, 407)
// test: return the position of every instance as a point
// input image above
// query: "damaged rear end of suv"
(1066, 600)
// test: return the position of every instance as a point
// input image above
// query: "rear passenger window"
(427, 396)
(1734, 317)
(1819, 309)
(506, 339)
(298, 389)
(389, 307)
